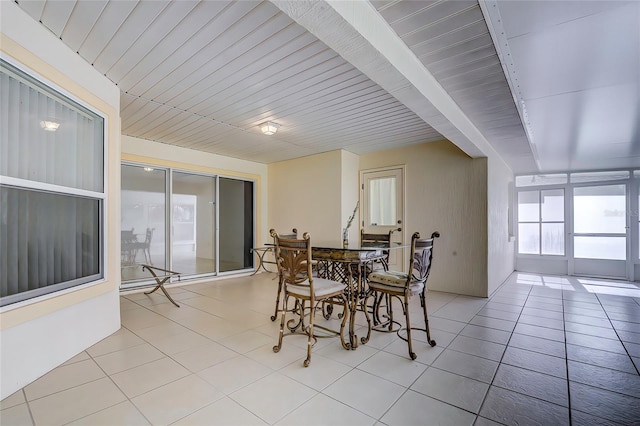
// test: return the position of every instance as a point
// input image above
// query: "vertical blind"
(72, 156)
(47, 239)
(50, 236)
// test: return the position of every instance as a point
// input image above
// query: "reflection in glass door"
(193, 224)
(206, 228)
(143, 221)
(600, 230)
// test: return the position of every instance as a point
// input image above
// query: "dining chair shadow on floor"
(292, 235)
(403, 285)
(293, 258)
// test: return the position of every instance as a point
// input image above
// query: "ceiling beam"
(357, 32)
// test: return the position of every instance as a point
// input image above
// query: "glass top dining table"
(349, 265)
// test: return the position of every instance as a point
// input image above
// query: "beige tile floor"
(542, 350)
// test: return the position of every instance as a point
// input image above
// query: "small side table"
(160, 280)
(261, 252)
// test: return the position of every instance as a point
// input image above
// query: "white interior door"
(383, 207)
(600, 230)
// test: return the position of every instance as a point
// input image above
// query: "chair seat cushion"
(322, 287)
(393, 281)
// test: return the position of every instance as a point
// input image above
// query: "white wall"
(350, 176)
(306, 193)
(39, 334)
(33, 348)
(446, 191)
(501, 256)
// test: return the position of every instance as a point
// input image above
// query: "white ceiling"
(369, 76)
(577, 67)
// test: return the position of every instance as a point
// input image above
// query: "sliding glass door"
(236, 224)
(193, 202)
(195, 224)
(600, 230)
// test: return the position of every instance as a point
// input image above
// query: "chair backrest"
(292, 235)
(421, 256)
(293, 257)
(127, 236)
(375, 240)
(148, 236)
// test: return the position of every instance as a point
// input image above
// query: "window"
(541, 222)
(382, 201)
(51, 189)
(538, 180)
(599, 222)
(599, 176)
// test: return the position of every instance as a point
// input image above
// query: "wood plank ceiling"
(452, 40)
(204, 74)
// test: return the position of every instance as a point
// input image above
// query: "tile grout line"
(620, 339)
(118, 387)
(484, 400)
(566, 358)
(228, 395)
(24, 395)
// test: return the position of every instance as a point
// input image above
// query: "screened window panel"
(553, 238)
(541, 222)
(552, 205)
(610, 248)
(529, 238)
(49, 242)
(600, 209)
(71, 156)
(529, 206)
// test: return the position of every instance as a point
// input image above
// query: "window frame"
(47, 292)
(633, 207)
(540, 221)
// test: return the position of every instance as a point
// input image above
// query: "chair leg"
(363, 304)
(377, 301)
(412, 354)
(276, 348)
(312, 315)
(389, 302)
(423, 301)
(345, 316)
(275, 312)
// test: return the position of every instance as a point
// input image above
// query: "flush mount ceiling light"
(269, 128)
(148, 169)
(49, 126)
